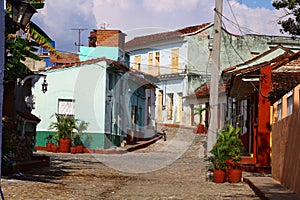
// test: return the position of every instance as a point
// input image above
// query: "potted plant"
(232, 147)
(54, 147)
(73, 146)
(217, 159)
(49, 142)
(200, 126)
(81, 126)
(73, 149)
(64, 127)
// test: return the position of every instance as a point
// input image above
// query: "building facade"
(117, 103)
(181, 59)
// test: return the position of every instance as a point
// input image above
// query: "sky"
(143, 17)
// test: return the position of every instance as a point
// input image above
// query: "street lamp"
(22, 11)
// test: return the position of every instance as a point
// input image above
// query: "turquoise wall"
(88, 53)
(85, 84)
(97, 139)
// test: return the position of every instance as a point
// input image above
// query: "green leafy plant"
(49, 138)
(80, 127)
(199, 111)
(21, 44)
(69, 127)
(228, 147)
(63, 126)
(230, 143)
(217, 159)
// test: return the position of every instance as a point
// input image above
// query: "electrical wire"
(239, 27)
(250, 31)
(237, 53)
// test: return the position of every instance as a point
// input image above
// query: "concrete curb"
(143, 144)
(267, 188)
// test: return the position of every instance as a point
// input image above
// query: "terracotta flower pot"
(200, 128)
(54, 148)
(79, 149)
(234, 175)
(48, 147)
(64, 145)
(73, 150)
(219, 176)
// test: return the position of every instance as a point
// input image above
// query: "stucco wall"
(84, 84)
(285, 151)
(165, 57)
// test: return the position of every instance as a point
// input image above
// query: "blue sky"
(141, 17)
(258, 3)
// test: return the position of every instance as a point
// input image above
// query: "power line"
(220, 16)
(237, 53)
(238, 24)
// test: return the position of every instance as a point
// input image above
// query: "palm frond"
(41, 38)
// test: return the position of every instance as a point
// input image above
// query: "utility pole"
(214, 83)
(79, 32)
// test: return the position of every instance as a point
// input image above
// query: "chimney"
(107, 38)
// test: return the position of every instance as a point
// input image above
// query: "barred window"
(66, 107)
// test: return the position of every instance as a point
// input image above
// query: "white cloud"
(141, 17)
(252, 20)
(170, 5)
(59, 17)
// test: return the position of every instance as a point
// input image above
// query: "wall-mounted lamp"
(22, 11)
(44, 86)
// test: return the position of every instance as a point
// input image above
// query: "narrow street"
(86, 176)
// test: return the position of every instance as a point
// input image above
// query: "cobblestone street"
(87, 176)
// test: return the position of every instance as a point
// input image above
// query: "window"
(160, 105)
(290, 101)
(179, 108)
(157, 61)
(170, 103)
(175, 60)
(210, 55)
(150, 63)
(279, 109)
(66, 107)
(137, 62)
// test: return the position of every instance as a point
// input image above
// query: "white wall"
(85, 84)
(165, 57)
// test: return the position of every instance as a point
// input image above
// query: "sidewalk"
(267, 188)
(141, 144)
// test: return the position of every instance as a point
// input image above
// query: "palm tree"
(19, 47)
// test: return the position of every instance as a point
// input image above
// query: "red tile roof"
(148, 39)
(285, 76)
(64, 58)
(204, 91)
(112, 63)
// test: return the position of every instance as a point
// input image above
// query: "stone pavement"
(265, 186)
(158, 171)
